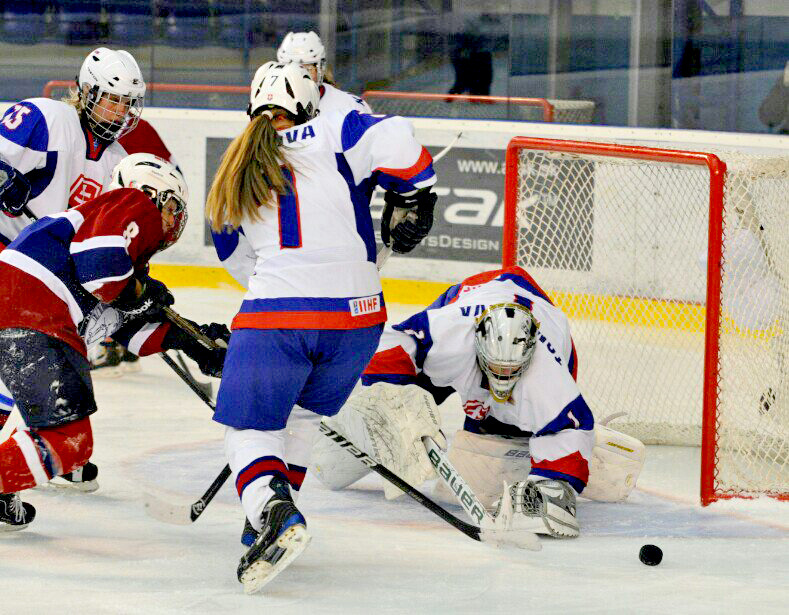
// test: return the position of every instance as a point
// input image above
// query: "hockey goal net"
(673, 268)
(458, 106)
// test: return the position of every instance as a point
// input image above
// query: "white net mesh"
(480, 107)
(621, 246)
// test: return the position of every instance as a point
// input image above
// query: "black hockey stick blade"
(204, 386)
(183, 514)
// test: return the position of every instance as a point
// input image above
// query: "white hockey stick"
(386, 251)
(494, 530)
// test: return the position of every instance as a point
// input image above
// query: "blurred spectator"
(774, 110)
(471, 53)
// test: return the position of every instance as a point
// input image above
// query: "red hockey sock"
(30, 458)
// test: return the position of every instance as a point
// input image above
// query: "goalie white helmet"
(504, 340)
(287, 86)
(306, 49)
(161, 182)
(111, 90)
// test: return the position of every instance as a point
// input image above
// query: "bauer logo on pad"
(365, 305)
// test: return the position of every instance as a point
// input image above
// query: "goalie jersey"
(309, 263)
(545, 404)
(65, 165)
(63, 266)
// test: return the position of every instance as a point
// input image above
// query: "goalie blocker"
(387, 421)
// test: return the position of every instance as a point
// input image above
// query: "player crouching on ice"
(499, 342)
(70, 280)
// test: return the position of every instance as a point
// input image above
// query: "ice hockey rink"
(101, 553)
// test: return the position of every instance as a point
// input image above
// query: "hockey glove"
(143, 299)
(216, 331)
(14, 191)
(209, 360)
(407, 220)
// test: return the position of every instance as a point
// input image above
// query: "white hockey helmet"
(304, 48)
(160, 181)
(113, 75)
(287, 86)
(505, 340)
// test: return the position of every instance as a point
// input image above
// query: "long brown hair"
(250, 176)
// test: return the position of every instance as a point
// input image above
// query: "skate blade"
(88, 486)
(131, 368)
(294, 540)
(107, 372)
(7, 527)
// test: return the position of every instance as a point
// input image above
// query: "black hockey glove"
(14, 191)
(412, 217)
(148, 305)
(209, 360)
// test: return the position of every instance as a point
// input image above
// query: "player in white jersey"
(299, 187)
(306, 49)
(56, 155)
(499, 342)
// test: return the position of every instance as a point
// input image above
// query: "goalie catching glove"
(387, 422)
(406, 220)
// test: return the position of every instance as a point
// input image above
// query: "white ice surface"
(100, 553)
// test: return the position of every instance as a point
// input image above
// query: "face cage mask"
(320, 69)
(180, 214)
(500, 384)
(107, 130)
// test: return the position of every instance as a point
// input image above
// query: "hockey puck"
(651, 555)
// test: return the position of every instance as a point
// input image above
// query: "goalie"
(499, 342)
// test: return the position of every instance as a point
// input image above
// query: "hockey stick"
(184, 514)
(386, 251)
(489, 530)
(496, 530)
(205, 386)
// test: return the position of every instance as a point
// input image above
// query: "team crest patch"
(365, 305)
(82, 190)
(476, 410)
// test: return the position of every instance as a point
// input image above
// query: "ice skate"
(14, 513)
(106, 360)
(543, 506)
(82, 479)
(130, 362)
(283, 538)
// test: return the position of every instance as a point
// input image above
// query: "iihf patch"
(365, 305)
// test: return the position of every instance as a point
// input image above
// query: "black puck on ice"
(651, 555)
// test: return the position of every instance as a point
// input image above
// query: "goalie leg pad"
(484, 461)
(616, 462)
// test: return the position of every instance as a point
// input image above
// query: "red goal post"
(424, 104)
(614, 233)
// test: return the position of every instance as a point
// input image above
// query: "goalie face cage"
(673, 268)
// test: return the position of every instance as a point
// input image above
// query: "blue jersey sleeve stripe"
(101, 263)
(355, 125)
(25, 125)
(40, 178)
(360, 197)
(579, 411)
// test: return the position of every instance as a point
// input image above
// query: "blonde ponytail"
(249, 176)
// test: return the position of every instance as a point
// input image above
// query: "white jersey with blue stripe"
(233, 248)
(315, 251)
(545, 402)
(65, 165)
